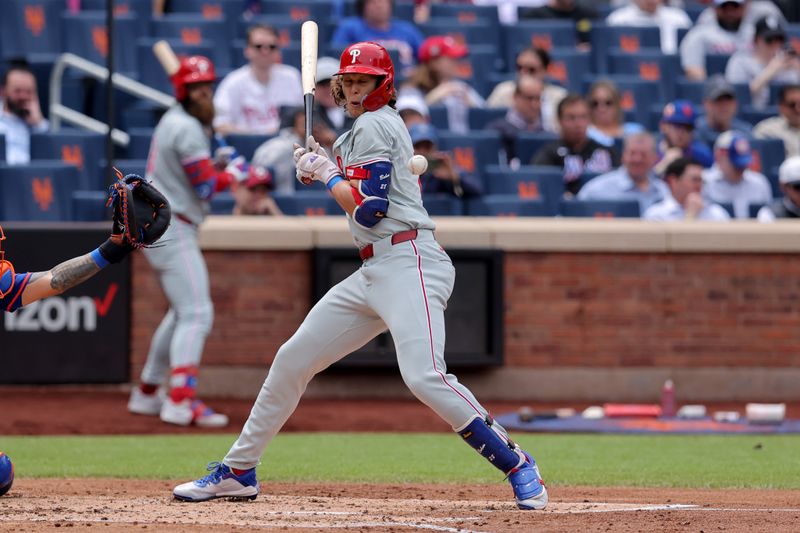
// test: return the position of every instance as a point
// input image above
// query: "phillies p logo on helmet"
(354, 53)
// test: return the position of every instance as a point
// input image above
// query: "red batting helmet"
(370, 58)
(193, 69)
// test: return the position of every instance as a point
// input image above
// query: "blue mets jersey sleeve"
(16, 283)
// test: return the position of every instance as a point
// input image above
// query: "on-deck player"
(180, 165)
(403, 284)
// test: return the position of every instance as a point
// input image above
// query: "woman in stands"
(607, 117)
(436, 78)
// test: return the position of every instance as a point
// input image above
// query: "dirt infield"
(128, 505)
(124, 505)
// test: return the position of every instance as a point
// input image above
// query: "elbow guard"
(371, 183)
(205, 179)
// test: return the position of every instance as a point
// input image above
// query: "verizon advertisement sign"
(80, 336)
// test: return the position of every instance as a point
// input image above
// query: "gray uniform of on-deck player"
(403, 287)
(179, 340)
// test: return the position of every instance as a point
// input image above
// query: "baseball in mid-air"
(417, 164)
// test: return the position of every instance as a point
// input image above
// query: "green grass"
(654, 461)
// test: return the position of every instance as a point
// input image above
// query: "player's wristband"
(113, 252)
(98, 259)
(333, 181)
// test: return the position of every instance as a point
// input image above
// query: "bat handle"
(308, 101)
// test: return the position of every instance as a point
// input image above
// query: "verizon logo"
(54, 314)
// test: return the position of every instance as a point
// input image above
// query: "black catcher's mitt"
(141, 212)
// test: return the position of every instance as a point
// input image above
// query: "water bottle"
(668, 399)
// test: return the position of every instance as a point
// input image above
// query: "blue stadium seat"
(729, 208)
(528, 183)
(506, 205)
(2, 147)
(247, 144)
(466, 13)
(754, 116)
(527, 144)
(79, 148)
(693, 91)
(545, 34)
(568, 67)
(472, 152)
(85, 35)
(479, 117)
(470, 33)
(142, 114)
(693, 9)
(649, 64)
(753, 209)
(222, 203)
(768, 154)
(474, 68)
(600, 208)
(31, 27)
(402, 9)
(41, 191)
(194, 30)
(229, 11)
(140, 8)
(299, 10)
(716, 63)
(438, 117)
(443, 205)
(130, 166)
(152, 74)
(90, 206)
(630, 40)
(139, 145)
(307, 203)
(290, 54)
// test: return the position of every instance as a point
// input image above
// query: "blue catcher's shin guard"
(519, 467)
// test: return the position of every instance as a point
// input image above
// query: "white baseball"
(418, 165)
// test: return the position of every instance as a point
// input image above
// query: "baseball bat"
(309, 34)
(169, 61)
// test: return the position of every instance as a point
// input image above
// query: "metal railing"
(60, 112)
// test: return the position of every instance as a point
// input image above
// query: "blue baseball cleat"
(529, 490)
(220, 483)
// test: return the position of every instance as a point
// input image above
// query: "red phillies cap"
(258, 175)
(441, 45)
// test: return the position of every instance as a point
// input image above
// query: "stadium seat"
(754, 116)
(129, 166)
(31, 27)
(152, 74)
(474, 68)
(438, 117)
(466, 13)
(443, 205)
(472, 152)
(768, 154)
(142, 114)
(222, 203)
(247, 144)
(299, 10)
(2, 147)
(307, 203)
(600, 208)
(527, 144)
(40, 191)
(649, 64)
(229, 11)
(85, 35)
(716, 63)
(506, 205)
(402, 9)
(194, 30)
(479, 117)
(729, 208)
(626, 39)
(79, 148)
(528, 183)
(693, 91)
(753, 210)
(139, 145)
(545, 34)
(143, 9)
(90, 206)
(568, 67)
(480, 32)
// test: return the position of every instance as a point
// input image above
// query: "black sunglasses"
(260, 46)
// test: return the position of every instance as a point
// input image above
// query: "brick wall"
(562, 309)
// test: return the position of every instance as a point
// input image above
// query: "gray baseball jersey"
(178, 139)
(403, 287)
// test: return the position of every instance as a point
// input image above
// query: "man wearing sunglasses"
(249, 99)
(789, 206)
(786, 126)
(769, 61)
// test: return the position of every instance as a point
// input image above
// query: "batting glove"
(316, 167)
(313, 146)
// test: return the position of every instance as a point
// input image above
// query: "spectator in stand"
(753, 10)
(249, 99)
(607, 117)
(258, 201)
(786, 126)
(412, 109)
(677, 130)
(653, 13)
(724, 33)
(436, 78)
(532, 62)
(720, 104)
(508, 10)
(685, 202)
(332, 115)
(581, 13)
(787, 207)
(442, 175)
(634, 180)
(22, 114)
(276, 153)
(525, 115)
(374, 23)
(769, 61)
(575, 152)
(729, 181)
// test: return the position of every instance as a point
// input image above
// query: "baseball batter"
(403, 285)
(180, 165)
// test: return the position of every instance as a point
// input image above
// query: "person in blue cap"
(677, 130)
(729, 181)
(442, 175)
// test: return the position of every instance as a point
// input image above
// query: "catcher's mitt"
(141, 212)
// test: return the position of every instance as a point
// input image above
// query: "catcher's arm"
(60, 278)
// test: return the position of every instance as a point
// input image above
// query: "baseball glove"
(141, 212)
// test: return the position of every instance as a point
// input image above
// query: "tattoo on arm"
(73, 272)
